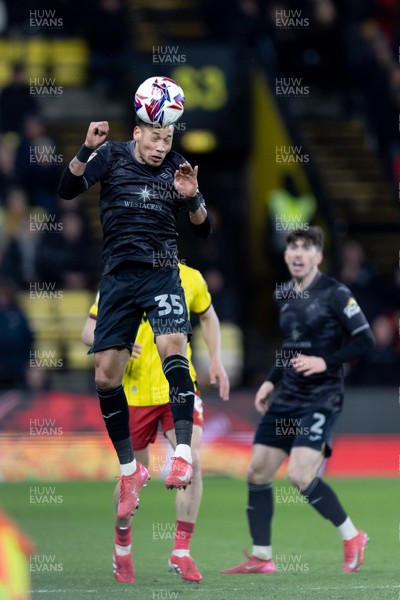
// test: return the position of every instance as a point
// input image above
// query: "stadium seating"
(65, 60)
(356, 186)
(57, 324)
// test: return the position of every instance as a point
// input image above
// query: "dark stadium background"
(292, 114)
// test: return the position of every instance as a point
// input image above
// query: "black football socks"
(181, 396)
(260, 509)
(324, 500)
(114, 408)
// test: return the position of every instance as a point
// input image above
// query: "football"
(159, 101)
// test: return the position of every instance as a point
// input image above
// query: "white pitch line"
(358, 587)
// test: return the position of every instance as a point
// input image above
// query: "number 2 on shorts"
(316, 428)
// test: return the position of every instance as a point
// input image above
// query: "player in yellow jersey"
(15, 549)
(147, 392)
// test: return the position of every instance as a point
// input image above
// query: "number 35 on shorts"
(169, 303)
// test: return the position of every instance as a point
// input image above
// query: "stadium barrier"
(58, 435)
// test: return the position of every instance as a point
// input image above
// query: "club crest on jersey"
(351, 308)
(166, 174)
(95, 153)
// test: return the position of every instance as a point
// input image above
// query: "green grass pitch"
(73, 531)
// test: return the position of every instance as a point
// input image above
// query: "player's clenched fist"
(97, 133)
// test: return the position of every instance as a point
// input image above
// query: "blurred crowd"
(380, 300)
(42, 238)
(350, 48)
(45, 242)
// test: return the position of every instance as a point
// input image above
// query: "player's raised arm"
(72, 181)
(185, 182)
(212, 334)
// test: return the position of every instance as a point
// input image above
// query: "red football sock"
(123, 537)
(183, 535)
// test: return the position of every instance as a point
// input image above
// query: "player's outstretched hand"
(264, 397)
(96, 134)
(308, 365)
(217, 372)
(185, 180)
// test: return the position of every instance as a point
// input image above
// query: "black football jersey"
(139, 205)
(315, 322)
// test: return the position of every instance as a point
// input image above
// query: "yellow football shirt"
(15, 548)
(144, 381)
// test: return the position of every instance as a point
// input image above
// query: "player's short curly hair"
(313, 235)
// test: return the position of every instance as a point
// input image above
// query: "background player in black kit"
(144, 185)
(316, 314)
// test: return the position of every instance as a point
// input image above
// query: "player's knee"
(102, 383)
(169, 345)
(256, 474)
(300, 478)
(105, 379)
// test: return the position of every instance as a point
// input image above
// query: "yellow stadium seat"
(73, 311)
(41, 313)
(77, 356)
(11, 52)
(70, 60)
(57, 320)
(65, 60)
(38, 51)
(14, 50)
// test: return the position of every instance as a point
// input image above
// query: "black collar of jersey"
(310, 285)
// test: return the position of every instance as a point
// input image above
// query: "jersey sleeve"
(348, 311)
(200, 298)
(97, 164)
(95, 307)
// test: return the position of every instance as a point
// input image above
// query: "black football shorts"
(285, 428)
(127, 293)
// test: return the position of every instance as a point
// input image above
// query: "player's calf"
(181, 396)
(114, 408)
